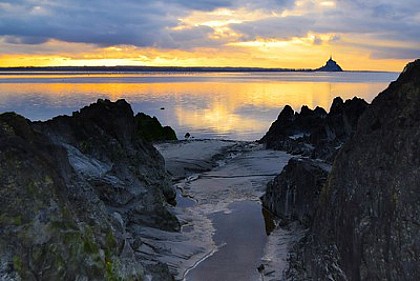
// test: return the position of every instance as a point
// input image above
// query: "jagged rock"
(105, 148)
(341, 122)
(291, 126)
(292, 194)
(314, 132)
(368, 222)
(150, 128)
(72, 190)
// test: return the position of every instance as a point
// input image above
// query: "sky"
(359, 34)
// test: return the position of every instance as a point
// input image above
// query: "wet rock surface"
(73, 192)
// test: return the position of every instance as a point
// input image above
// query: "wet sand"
(224, 234)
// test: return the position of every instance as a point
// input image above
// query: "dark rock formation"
(290, 123)
(150, 129)
(369, 210)
(367, 220)
(291, 194)
(330, 65)
(314, 132)
(73, 190)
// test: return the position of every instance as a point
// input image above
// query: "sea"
(237, 106)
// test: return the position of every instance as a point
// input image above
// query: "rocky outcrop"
(369, 209)
(73, 192)
(150, 129)
(368, 218)
(315, 133)
(290, 196)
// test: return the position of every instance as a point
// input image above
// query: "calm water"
(242, 236)
(207, 105)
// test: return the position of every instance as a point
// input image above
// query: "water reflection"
(206, 105)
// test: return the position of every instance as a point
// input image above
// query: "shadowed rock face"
(291, 194)
(150, 129)
(72, 191)
(368, 221)
(315, 133)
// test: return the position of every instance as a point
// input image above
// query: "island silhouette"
(330, 65)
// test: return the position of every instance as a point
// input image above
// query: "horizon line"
(173, 68)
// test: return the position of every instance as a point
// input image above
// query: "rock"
(73, 189)
(291, 126)
(281, 128)
(341, 122)
(338, 126)
(131, 171)
(292, 194)
(368, 219)
(151, 130)
(261, 268)
(314, 132)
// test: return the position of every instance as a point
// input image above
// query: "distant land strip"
(99, 69)
(149, 68)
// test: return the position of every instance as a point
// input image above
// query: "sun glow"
(227, 45)
(310, 51)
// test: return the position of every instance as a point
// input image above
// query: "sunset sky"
(360, 34)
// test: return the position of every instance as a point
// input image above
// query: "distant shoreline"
(180, 69)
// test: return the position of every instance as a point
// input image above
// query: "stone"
(315, 133)
(367, 223)
(291, 195)
(71, 190)
(151, 130)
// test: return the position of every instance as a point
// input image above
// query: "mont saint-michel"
(331, 65)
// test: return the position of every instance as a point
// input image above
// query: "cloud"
(203, 5)
(384, 24)
(274, 27)
(395, 53)
(108, 22)
(140, 23)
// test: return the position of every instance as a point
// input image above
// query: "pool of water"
(241, 236)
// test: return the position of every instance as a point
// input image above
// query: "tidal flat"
(223, 224)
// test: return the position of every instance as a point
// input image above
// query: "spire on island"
(330, 65)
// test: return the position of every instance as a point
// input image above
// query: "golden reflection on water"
(234, 109)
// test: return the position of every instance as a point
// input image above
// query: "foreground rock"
(74, 192)
(315, 133)
(291, 194)
(368, 219)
